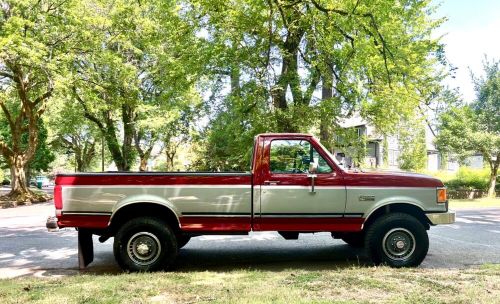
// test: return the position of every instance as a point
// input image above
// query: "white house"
(375, 149)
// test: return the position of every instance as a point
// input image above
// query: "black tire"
(182, 240)
(355, 239)
(153, 237)
(397, 240)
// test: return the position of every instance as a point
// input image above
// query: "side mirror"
(313, 168)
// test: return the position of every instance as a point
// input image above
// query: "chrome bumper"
(441, 218)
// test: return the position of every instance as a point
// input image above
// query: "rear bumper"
(441, 218)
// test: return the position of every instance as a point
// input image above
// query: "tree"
(35, 43)
(141, 59)
(412, 145)
(475, 127)
(376, 58)
(71, 133)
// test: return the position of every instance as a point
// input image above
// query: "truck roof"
(285, 135)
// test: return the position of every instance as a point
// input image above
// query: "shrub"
(467, 178)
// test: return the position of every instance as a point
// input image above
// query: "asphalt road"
(27, 249)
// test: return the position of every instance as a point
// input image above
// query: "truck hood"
(390, 179)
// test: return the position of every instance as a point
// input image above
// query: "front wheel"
(398, 240)
(145, 244)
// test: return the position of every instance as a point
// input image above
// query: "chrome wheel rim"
(144, 248)
(399, 244)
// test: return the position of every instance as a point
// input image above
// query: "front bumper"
(441, 218)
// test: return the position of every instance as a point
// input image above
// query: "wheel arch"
(144, 206)
(410, 208)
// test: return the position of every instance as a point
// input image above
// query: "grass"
(474, 203)
(346, 285)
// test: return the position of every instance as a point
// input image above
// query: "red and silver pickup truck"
(295, 186)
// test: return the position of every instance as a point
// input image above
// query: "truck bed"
(201, 201)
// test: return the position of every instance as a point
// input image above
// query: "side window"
(294, 156)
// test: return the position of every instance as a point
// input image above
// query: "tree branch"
(87, 112)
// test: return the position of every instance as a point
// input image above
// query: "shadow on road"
(27, 249)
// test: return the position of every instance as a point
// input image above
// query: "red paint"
(215, 223)
(83, 221)
(58, 203)
(310, 224)
(242, 224)
(390, 179)
(100, 179)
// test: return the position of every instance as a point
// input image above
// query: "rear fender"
(145, 198)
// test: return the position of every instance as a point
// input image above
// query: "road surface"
(27, 249)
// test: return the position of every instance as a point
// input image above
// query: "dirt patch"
(34, 197)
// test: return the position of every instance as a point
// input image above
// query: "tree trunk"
(493, 177)
(20, 192)
(18, 177)
(170, 161)
(325, 128)
(143, 166)
(491, 186)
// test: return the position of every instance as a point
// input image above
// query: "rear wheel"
(398, 240)
(145, 244)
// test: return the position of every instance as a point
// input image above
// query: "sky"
(472, 31)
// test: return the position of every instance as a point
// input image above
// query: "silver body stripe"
(299, 199)
(235, 200)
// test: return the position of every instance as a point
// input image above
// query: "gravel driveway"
(26, 248)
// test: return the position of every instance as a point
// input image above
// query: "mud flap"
(85, 248)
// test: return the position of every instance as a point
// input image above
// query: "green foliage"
(44, 155)
(467, 178)
(475, 127)
(352, 144)
(376, 58)
(137, 73)
(412, 144)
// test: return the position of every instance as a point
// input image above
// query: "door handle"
(271, 183)
(312, 177)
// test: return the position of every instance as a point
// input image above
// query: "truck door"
(292, 199)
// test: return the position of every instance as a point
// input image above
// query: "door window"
(294, 157)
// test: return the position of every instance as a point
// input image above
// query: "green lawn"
(479, 203)
(343, 285)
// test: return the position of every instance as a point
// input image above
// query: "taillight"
(441, 195)
(58, 197)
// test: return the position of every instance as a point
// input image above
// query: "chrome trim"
(216, 215)
(300, 215)
(128, 173)
(85, 213)
(239, 186)
(389, 187)
(295, 187)
(441, 218)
